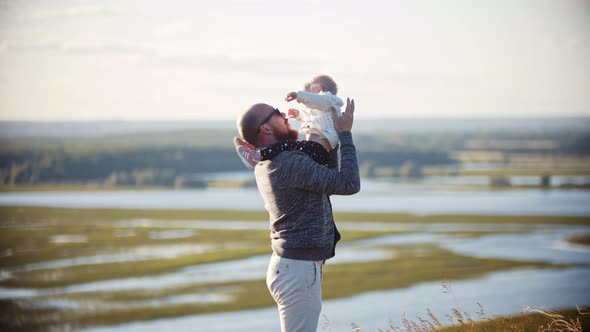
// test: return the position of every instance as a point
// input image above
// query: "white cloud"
(426, 57)
(173, 28)
(113, 48)
(223, 63)
(82, 11)
(33, 46)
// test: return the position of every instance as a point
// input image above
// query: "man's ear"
(265, 130)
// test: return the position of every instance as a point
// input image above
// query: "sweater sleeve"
(321, 102)
(308, 175)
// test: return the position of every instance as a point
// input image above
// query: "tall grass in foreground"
(532, 320)
(560, 323)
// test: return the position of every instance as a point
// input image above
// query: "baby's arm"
(316, 101)
(294, 114)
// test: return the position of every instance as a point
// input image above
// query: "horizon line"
(372, 118)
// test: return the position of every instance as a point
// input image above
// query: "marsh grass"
(563, 322)
(31, 245)
(411, 264)
(531, 320)
(22, 214)
(464, 218)
(582, 239)
(75, 187)
(25, 234)
(473, 234)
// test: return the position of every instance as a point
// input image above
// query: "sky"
(80, 60)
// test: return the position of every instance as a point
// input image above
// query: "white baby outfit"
(317, 118)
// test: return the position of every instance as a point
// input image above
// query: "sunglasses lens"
(275, 111)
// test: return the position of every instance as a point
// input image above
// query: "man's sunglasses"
(275, 111)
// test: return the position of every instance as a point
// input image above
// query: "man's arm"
(333, 158)
(310, 176)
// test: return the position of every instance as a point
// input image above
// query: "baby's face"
(315, 88)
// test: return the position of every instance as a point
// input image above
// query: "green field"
(35, 242)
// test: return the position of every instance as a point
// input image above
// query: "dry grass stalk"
(356, 328)
(559, 322)
(435, 320)
(326, 325)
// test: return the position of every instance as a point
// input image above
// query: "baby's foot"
(249, 156)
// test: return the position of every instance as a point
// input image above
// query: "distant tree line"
(166, 159)
(145, 166)
(152, 166)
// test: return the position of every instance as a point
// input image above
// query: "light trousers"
(296, 287)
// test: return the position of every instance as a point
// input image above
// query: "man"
(296, 190)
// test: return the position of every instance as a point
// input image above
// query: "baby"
(316, 123)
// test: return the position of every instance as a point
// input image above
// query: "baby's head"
(321, 83)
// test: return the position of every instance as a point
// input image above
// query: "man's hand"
(344, 123)
(293, 113)
(291, 96)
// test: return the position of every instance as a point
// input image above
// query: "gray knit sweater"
(295, 191)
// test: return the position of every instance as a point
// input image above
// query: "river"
(374, 197)
(501, 293)
(374, 310)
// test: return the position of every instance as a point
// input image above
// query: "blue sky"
(192, 60)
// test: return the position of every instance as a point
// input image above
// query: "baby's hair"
(325, 81)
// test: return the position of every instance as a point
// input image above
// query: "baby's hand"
(293, 113)
(291, 96)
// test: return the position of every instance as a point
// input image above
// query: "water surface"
(374, 197)
(374, 310)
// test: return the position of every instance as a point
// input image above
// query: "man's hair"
(248, 125)
(327, 83)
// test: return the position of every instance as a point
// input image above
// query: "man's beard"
(290, 134)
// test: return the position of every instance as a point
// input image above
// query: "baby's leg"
(318, 139)
(247, 152)
(334, 157)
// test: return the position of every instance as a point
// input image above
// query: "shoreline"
(254, 215)
(116, 266)
(240, 184)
